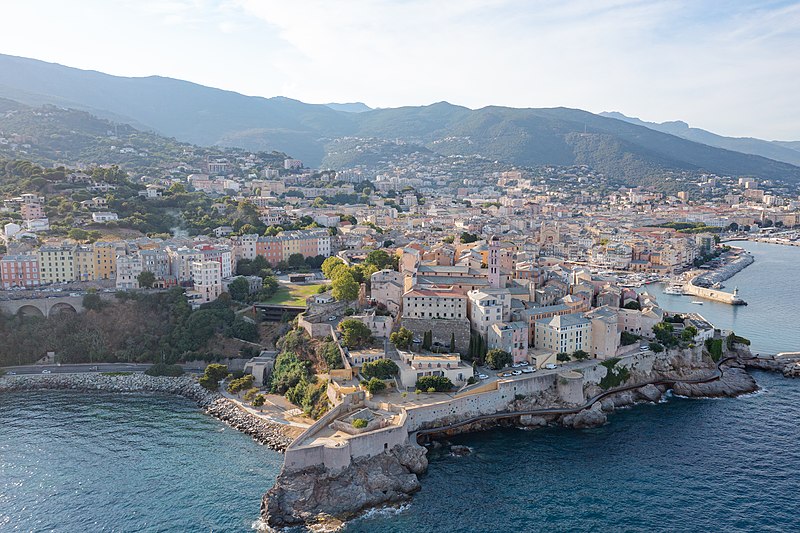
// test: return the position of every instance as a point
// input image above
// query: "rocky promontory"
(264, 432)
(733, 382)
(316, 494)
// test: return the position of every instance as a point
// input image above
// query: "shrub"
(627, 338)
(562, 356)
(656, 347)
(259, 400)
(360, 423)
(714, 347)
(471, 380)
(437, 383)
(329, 352)
(161, 369)
(614, 376)
(380, 368)
(250, 394)
(580, 355)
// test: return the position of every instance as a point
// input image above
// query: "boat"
(674, 289)
(696, 302)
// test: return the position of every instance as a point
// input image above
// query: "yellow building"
(56, 264)
(84, 263)
(105, 260)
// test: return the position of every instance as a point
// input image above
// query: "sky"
(729, 66)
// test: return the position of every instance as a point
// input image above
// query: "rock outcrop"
(734, 382)
(315, 494)
(649, 393)
(264, 432)
(588, 418)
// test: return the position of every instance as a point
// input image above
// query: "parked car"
(551, 366)
(528, 370)
(45, 371)
(482, 376)
(516, 373)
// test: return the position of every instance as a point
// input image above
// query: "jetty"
(702, 283)
(713, 294)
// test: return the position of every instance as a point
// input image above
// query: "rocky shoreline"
(266, 433)
(321, 498)
(788, 365)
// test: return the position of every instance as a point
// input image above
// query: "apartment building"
(434, 303)
(19, 271)
(563, 333)
(56, 264)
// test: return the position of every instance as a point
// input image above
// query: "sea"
(76, 462)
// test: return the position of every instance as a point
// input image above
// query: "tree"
(243, 383)
(467, 237)
(296, 261)
(380, 368)
(379, 258)
(374, 385)
(329, 264)
(497, 359)
(146, 279)
(427, 340)
(435, 383)
(452, 343)
(563, 357)
(214, 373)
(656, 347)
(360, 423)
(354, 333)
(78, 234)
(92, 301)
(580, 355)
(633, 304)
(689, 333)
(239, 289)
(344, 287)
(402, 338)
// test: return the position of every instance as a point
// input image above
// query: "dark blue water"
(771, 287)
(72, 462)
(686, 465)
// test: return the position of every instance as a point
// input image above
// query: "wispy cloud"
(731, 66)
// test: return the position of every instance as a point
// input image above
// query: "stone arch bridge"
(45, 307)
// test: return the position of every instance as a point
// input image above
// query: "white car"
(551, 366)
(45, 371)
(528, 370)
(482, 376)
(516, 373)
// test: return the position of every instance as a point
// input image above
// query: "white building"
(487, 307)
(104, 216)
(128, 269)
(207, 277)
(563, 333)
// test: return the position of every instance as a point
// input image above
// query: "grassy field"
(291, 294)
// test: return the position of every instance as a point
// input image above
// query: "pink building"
(19, 271)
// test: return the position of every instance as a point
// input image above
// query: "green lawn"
(291, 294)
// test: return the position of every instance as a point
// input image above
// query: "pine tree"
(452, 342)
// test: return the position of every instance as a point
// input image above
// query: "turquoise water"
(771, 287)
(72, 462)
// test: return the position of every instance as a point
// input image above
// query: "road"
(78, 368)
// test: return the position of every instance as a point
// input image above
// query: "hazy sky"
(729, 66)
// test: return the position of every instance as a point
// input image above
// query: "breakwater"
(269, 434)
(701, 284)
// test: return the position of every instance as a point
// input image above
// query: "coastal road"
(78, 368)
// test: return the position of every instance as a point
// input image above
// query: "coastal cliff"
(262, 431)
(317, 494)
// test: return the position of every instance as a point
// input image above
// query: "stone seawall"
(264, 432)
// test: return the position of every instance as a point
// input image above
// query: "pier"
(713, 294)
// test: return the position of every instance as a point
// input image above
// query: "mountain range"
(788, 152)
(206, 116)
